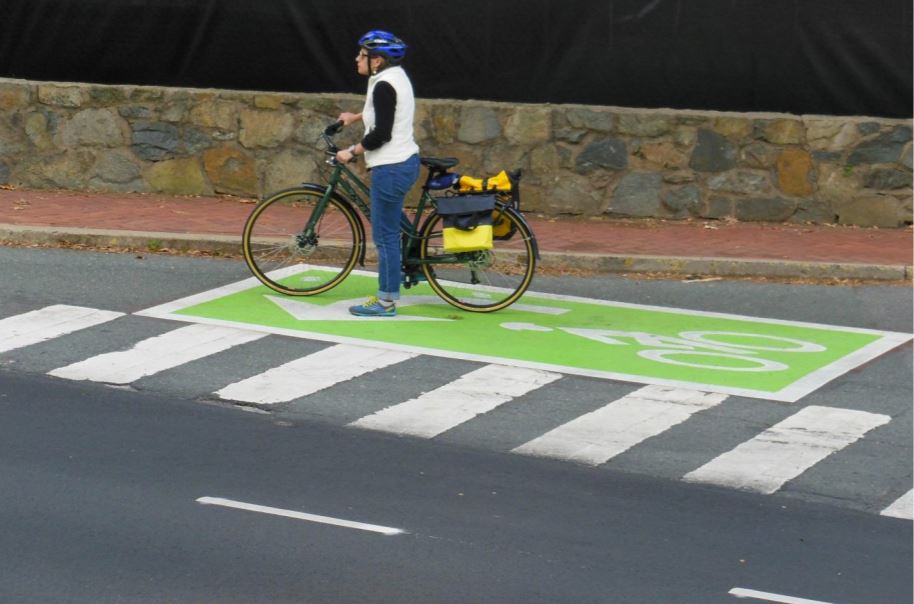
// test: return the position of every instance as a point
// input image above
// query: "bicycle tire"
(275, 247)
(483, 281)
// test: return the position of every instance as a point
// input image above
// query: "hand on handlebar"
(344, 156)
(349, 118)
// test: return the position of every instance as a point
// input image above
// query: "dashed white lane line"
(903, 507)
(600, 435)
(463, 399)
(311, 374)
(157, 354)
(262, 509)
(739, 592)
(787, 449)
(49, 322)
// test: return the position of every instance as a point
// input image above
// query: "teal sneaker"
(374, 308)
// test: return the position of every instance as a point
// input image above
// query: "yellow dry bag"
(499, 182)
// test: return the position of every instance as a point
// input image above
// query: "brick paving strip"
(213, 224)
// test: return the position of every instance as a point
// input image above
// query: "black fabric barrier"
(839, 57)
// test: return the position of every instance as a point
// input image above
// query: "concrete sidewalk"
(711, 248)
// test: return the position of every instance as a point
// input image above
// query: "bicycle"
(305, 240)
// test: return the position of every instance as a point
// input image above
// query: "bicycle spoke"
(480, 281)
(273, 239)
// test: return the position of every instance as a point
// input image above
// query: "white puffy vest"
(401, 144)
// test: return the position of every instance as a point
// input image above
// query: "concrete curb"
(727, 267)
(598, 263)
(137, 240)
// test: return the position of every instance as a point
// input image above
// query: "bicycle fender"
(317, 188)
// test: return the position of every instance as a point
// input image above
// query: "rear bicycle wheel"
(483, 281)
(289, 260)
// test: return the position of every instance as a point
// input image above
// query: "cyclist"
(391, 154)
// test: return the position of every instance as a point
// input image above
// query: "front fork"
(308, 235)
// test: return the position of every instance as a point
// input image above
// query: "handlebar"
(333, 128)
(327, 135)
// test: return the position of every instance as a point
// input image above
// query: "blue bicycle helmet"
(385, 44)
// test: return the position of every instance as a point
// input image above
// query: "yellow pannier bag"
(499, 182)
(502, 227)
(467, 222)
(458, 240)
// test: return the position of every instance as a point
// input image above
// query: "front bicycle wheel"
(483, 281)
(289, 259)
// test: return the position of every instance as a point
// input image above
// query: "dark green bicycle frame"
(343, 178)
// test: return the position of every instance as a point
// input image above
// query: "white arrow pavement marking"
(902, 508)
(598, 436)
(49, 322)
(526, 327)
(312, 373)
(739, 592)
(463, 399)
(787, 449)
(543, 310)
(339, 311)
(250, 507)
(157, 354)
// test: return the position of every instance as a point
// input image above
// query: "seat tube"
(409, 231)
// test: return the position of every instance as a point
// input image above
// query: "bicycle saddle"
(440, 163)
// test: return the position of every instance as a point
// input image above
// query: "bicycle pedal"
(410, 279)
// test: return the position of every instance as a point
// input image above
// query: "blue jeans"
(389, 185)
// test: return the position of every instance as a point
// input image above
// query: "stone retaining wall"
(590, 161)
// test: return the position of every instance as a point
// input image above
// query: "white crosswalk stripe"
(48, 323)
(903, 507)
(787, 449)
(311, 374)
(600, 435)
(157, 354)
(470, 395)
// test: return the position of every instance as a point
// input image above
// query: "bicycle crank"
(480, 260)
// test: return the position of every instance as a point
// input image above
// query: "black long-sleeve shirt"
(384, 98)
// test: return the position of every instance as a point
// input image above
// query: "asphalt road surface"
(100, 502)
(154, 490)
